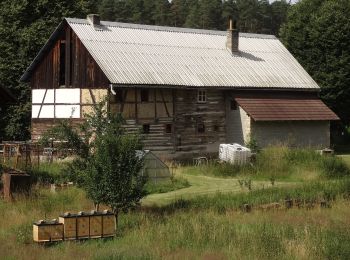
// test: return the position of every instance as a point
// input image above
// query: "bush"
(334, 167)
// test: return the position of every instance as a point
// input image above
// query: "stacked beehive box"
(83, 225)
(47, 231)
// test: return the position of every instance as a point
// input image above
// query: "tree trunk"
(97, 206)
(116, 215)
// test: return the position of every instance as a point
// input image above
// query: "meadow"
(208, 225)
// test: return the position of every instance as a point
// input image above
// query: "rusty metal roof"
(282, 108)
(131, 54)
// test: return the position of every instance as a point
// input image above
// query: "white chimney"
(94, 19)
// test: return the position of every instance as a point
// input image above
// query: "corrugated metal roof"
(286, 109)
(132, 54)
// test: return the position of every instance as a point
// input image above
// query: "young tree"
(108, 167)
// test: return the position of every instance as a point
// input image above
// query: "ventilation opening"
(62, 76)
(146, 129)
(144, 95)
(168, 128)
(200, 128)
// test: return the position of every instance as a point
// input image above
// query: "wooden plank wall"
(190, 113)
(81, 69)
(183, 112)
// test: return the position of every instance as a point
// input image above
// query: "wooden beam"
(92, 97)
(68, 58)
(136, 113)
(166, 108)
(124, 98)
(155, 104)
(42, 103)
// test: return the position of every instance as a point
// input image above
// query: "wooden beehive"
(47, 231)
(95, 224)
(83, 225)
(108, 224)
(69, 222)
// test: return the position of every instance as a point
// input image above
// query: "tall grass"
(280, 163)
(196, 233)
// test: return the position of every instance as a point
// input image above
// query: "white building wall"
(237, 125)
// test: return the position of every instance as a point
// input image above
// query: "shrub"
(334, 167)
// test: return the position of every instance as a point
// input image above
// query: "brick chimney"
(94, 19)
(232, 41)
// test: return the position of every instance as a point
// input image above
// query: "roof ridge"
(168, 28)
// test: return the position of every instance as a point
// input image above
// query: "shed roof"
(282, 108)
(131, 54)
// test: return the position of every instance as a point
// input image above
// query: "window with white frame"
(202, 96)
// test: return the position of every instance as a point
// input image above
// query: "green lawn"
(205, 185)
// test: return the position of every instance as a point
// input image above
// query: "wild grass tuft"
(280, 163)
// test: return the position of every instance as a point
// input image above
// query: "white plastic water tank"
(234, 153)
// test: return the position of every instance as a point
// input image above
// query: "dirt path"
(204, 185)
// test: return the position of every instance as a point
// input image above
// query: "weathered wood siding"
(180, 110)
(81, 71)
(189, 113)
(293, 133)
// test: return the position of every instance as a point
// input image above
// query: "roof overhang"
(284, 108)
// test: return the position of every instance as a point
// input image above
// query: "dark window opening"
(169, 128)
(200, 128)
(119, 95)
(202, 96)
(62, 78)
(144, 95)
(233, 105)
(216, 128)
(145, 129)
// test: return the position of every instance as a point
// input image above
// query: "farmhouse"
(188, 90)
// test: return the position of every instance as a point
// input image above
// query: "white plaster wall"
(237, 125)
(68, 100)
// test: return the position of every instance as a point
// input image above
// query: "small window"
(216, 128)
(145, 129)
(168, 128)
(233, 105)
(200, 128)
(202, 96)
(144, 95)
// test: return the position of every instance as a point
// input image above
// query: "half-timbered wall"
(175, 120)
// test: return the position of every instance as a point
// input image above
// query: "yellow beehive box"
(69, 222)
(83, 225)
(47, 231)
(95, 224)
(108, 224)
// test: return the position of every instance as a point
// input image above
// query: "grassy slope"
(204, 185)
